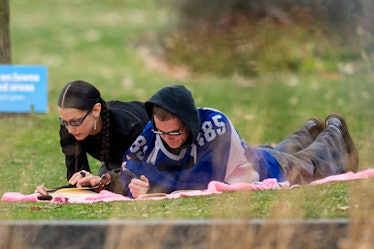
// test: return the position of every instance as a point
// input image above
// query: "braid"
(105, 145)
(78, 152)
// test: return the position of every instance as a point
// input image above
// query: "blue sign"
(23, 88)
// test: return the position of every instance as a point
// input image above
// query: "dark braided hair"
(82, 95)
(105, 145)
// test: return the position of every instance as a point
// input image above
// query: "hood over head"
(178, 100)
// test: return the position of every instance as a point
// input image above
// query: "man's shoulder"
(207, 113)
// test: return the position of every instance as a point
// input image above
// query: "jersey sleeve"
(162, 181)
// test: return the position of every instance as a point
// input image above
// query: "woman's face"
(172, 125)
(79, 123)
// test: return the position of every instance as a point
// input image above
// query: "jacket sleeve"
(69, 148)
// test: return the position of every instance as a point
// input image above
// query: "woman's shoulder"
(121, 105)
(131, 108)
(127, 114)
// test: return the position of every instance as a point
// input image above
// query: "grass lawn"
(108, 43)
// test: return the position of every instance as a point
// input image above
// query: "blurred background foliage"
(253, 38)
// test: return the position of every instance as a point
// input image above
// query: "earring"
(95, 123)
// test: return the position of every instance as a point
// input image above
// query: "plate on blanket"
(69, 193)
(73, 192)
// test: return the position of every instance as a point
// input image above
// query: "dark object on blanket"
(45, 197)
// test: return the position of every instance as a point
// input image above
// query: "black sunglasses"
(74, 123)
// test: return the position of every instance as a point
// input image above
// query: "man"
(185, 147)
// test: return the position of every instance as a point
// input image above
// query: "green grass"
(103, 42)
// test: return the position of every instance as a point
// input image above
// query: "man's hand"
(139, 186)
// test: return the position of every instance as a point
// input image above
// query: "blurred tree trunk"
(5, 54)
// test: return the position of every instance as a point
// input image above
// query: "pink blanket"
(214, 187)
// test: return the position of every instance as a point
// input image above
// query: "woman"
(90, 125)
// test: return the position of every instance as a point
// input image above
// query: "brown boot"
(315, 126)
(339, 122)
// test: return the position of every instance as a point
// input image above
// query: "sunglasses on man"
(170, 133)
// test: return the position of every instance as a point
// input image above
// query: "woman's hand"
(88, 180)
(41, 190)
(79, 179)
(84, 179)
(139, 186)
(77, 176)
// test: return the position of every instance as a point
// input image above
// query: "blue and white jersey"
(218, 153)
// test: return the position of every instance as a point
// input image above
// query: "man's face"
(174, 125)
